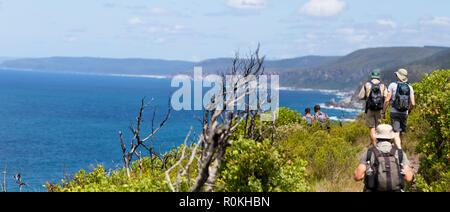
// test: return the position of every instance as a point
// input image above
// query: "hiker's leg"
(403, 128)
(398, 140)
(396, 127)
(372, 136)
(373, 119)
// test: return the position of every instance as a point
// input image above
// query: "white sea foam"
(137, 75)
(340, 94)
(340, 108)
(335, 118)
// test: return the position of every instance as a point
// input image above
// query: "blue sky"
(201, 29)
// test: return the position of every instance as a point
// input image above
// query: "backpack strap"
(370, 90)
(399, 163)
(400, 156)
(393, 150)
(396, 90)
(399, 152)
(377, 155)
(369, 154)
(376, 152)
(388, 168)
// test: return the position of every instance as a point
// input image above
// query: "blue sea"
(56, 123)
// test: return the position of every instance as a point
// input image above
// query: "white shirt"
(393, 89)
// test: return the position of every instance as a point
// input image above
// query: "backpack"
(386, 171)
(375, 101)
(322, 117)
(402, 97)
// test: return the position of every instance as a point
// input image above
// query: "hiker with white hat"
(383, 167)
(401, 97)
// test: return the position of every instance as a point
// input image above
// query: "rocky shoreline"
(350, 102)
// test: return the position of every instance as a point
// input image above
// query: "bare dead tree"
(183, 171)
(138, 141)
(19, 181)
(221, 119)
(4, 180)
(216, 133)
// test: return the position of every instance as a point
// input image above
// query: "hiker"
(308, 118)
(384, 167)
(374, 93)
(320, 116)
(401, 97)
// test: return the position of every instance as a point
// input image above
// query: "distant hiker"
(320, 116)
(401, 97)
(384, 167)
(374, 93)
(308, 118)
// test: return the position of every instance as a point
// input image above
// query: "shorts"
(373, 118)
(399, 122)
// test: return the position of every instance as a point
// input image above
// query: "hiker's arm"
(360, 172)
(386, 104)
(408, 173)
(413, 103)
(362, 93)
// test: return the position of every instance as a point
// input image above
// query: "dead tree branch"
(137, 141)
(221, 119)
(18, 179)
(182, 172)
(220, 123)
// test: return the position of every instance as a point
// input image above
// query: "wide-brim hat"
(384, 131)
(402, 75)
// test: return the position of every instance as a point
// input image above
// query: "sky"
(201, 29)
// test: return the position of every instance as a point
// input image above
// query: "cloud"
(70, 39)
(387, 23)
(176, 29)
(158, 11)
(159, 40)
(109, 5)
(247, 4)
(439, 21)
(322, 8)
(353, 35)
(135, 21)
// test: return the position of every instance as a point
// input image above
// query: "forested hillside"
(417, 69)
(349, 71)
(318, 72)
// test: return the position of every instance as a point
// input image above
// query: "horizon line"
(215, 58)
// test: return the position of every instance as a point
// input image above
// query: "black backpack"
(375, 101)
(402, 97)
(386, 174)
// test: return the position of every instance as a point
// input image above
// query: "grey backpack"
(387, 171)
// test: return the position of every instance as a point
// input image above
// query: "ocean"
(56, 123)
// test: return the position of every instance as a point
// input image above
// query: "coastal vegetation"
(299, 159)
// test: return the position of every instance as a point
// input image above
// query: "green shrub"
(146, 180)
(100, 181)
(251, 166)
(431, 123)
(285, 117)
(329, 154)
